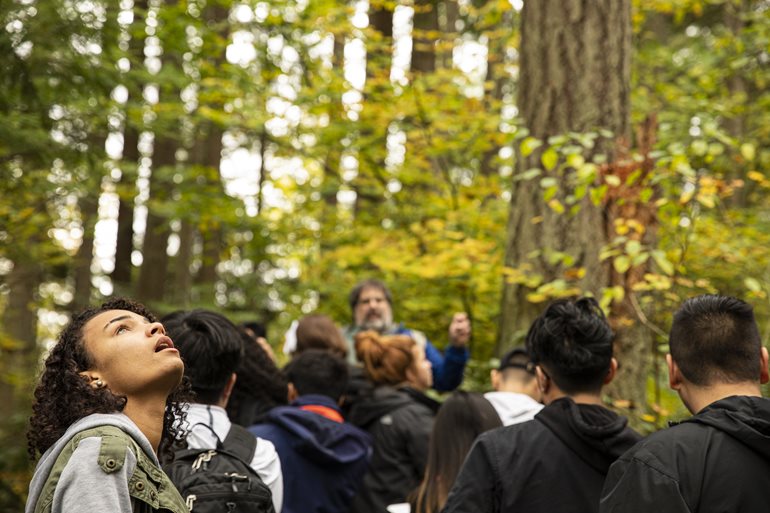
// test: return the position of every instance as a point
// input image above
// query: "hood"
(380, 401)
(48, 459)
(747, 419)
(318, 438)
(597, 435)
(513, 407)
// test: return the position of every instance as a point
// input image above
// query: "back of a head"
(211, 347)
(461, 418)
(572, 340)
(386, 358)
(516, 366)
(715, 339)
(254, 329)
(320, 372)
(320, 332)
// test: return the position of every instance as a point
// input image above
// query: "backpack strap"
(241, 442)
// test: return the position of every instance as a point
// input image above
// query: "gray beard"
(379, 325)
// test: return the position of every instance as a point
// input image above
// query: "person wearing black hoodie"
(323, 458)
(556, 462)
(397, 414)
(719, 459)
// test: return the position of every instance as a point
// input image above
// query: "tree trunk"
(574, 77)
(734, 11)
(89, 211)
(424, 36)
(182, 276)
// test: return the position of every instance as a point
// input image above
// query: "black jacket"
(555, 463)
(716, 461)
(400, 422)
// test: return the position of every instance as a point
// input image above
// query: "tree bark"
(574, 77)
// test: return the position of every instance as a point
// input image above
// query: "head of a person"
(570, 343)
(393, 360)
(372, 306)
(516, 373)
(105, 358)
(714, 340)
(319, 332)
(317, 372)
(461, 418)
(211, 347)
(254, 329)
(260, 385)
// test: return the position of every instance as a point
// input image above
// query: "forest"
(259, 158)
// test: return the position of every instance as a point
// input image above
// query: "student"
(372, 306)
(515, 386)
(108, 401)
(557, 462)
(323, 457)
(397, 414)
(462, 418)
(719, 459)
(212, 348)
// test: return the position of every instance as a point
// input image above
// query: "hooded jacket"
(323, 459)
(513, 407)
(107, 464)
(400, 422)
(715, 461)
(555, 463)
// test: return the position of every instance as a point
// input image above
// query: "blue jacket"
(448, 368)
(323, 460)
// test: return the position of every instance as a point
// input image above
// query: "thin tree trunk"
(89, 211)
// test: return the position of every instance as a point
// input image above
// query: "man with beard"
(372, 307)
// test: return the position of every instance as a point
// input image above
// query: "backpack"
(221, 480)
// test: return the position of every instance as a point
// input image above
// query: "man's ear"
(611, 371)
(494, 378)
(543, 381)
(764, 377)
(674, 374)
(228, 389)
(291, 392)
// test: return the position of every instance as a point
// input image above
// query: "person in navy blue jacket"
(372, 305)
(323, 458)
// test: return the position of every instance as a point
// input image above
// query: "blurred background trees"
(259, 158)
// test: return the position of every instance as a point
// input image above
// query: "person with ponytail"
(397, 414)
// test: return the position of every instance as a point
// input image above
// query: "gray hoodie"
(83, 484)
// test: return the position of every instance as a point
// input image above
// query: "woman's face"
(420, 375)
(131, 355)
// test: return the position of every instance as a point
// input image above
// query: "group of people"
(135, 414)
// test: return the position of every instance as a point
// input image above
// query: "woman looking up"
(108, 401)
(398, 415)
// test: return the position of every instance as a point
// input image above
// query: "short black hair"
(211, 347)
(316, 371)
(572, 341)
(255, 327)
(715, 338)
(517, 362)
(370, 283)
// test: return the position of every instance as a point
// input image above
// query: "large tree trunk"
(575, 77)
(89, 211)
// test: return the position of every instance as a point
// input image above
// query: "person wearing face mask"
(398, 416)
(108, 402)
(372, 306)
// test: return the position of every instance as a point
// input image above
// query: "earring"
(99, 383)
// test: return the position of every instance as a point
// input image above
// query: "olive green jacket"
(102, 463)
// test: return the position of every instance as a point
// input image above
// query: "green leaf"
(549, 158)
(748, 151)
(621, 263)
(665, 265)
(752, 284)
(528, 145)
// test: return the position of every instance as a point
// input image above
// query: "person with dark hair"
(462, 418)
(558, 461)
(372, 306)
(260, 386)
(212, 349)
(258, 333)
(323, 457)
(515, 386)
(318, 331)
(109, 400)
(398, 416)
(719, 459)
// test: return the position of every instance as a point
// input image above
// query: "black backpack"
(221, 480)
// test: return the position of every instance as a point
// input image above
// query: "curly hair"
(63, 396)
(387, 358)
